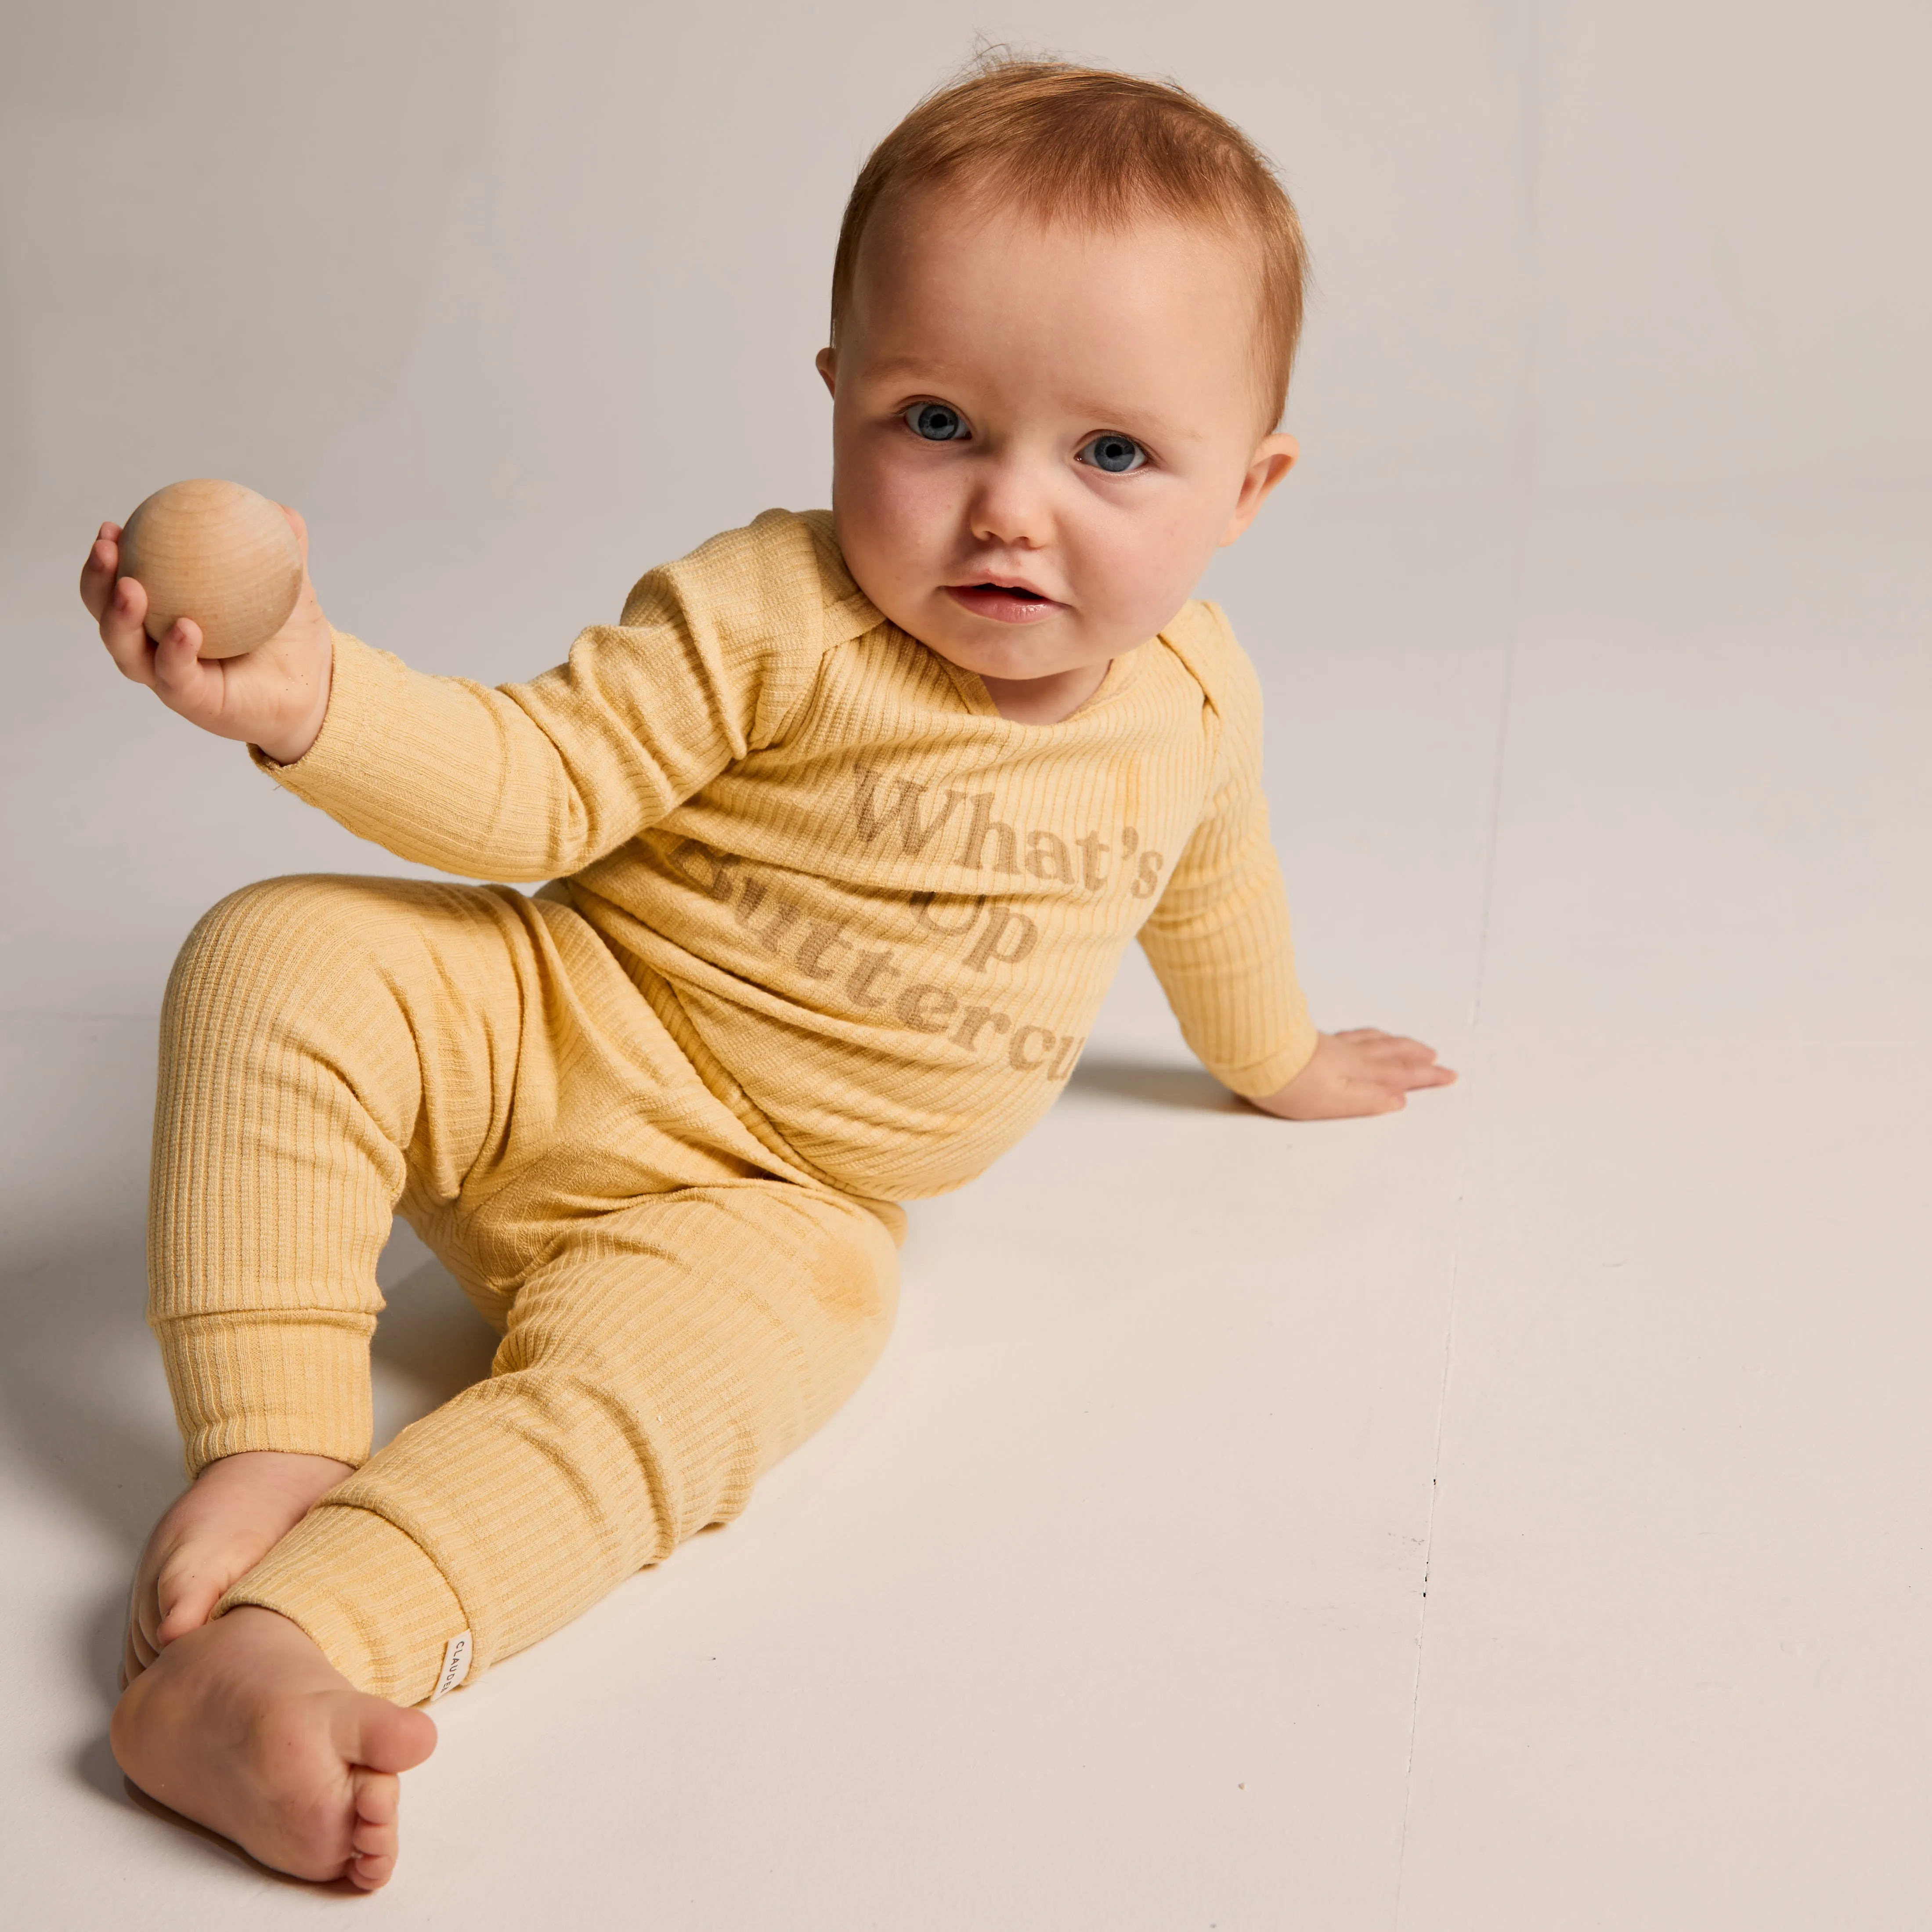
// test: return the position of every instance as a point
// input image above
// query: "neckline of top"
(971, 687)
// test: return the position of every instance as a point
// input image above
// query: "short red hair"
(1091, 146)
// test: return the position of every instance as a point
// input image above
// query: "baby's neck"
(1045, 700)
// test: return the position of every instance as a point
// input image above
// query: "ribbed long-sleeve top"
(879, 916)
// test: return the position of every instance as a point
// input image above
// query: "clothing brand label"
(455, 1665)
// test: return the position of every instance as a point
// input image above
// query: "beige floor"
(1507, 1516)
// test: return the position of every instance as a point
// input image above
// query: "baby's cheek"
(919, 522)
(892, 527)
(1135, 573)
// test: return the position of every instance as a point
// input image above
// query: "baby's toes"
(378, 1796)
(370, 1871)
(373, 1837)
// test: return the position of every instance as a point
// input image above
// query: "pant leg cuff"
(365, 1595)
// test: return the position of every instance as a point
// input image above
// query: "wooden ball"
(218, 553)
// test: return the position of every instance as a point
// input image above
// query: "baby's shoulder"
(750, 616)
(1200, 635)
(780, 578)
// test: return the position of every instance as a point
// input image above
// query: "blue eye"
(1114, 453)
(936, 422)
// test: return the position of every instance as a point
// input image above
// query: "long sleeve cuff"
(1258, 1079)
(365, 1595)
(276, 1380)
(365, 686)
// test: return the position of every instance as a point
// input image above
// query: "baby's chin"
(1013, 663)
(1046, 647)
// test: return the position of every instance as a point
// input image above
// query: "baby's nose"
(1011, 504)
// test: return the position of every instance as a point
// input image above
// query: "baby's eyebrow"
(1134, 419)
(910, 365)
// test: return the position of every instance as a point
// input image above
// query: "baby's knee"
(268, 942)
(827, 1269)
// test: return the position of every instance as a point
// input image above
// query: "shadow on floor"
(82, 1401)
(84, 1405)
(94, 1764)
(431, 1344)
(1154, 1083)
(81, 1392)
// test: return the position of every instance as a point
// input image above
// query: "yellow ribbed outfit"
(825, 932)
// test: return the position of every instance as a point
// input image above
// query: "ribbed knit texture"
(679, 1311)
(829, 934)
(879, 916)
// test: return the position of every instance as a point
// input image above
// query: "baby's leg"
(662, 1356)
(682, 1320)
(324, 1042)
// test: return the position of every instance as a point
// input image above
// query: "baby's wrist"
(289, 747)
(289, 1473)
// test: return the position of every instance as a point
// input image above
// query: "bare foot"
(227, 1520)
(245, 1726)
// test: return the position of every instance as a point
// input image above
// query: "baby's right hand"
(235, 1513)
(274, 696)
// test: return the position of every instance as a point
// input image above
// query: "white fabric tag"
(455, 1665)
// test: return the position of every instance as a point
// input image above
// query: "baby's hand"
(274, 696)
(235, 1513)
(1363, 1071)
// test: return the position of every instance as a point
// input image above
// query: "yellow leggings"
(679, 1308)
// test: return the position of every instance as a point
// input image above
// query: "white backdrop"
(512, 267)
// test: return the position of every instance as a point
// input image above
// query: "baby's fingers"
(181, 680)
(1409, 1071)
(1417, 1065)
(123, 630)
(1411, 1060)
(185, 1597)
(140, 1649)
(97, 573)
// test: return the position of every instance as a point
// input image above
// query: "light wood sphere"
(216, 552)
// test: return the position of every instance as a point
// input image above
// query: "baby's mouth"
(1004, 603)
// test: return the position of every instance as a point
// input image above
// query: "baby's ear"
(827, 362)
(1274, 457)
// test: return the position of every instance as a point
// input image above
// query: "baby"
(846, 826)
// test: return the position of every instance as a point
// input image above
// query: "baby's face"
(1041, 435)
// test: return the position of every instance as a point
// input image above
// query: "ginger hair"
(1099, 149)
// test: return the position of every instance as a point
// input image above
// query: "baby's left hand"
(1363, 1071)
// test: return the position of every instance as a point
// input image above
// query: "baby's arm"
(526, 781)
(1220, 940)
